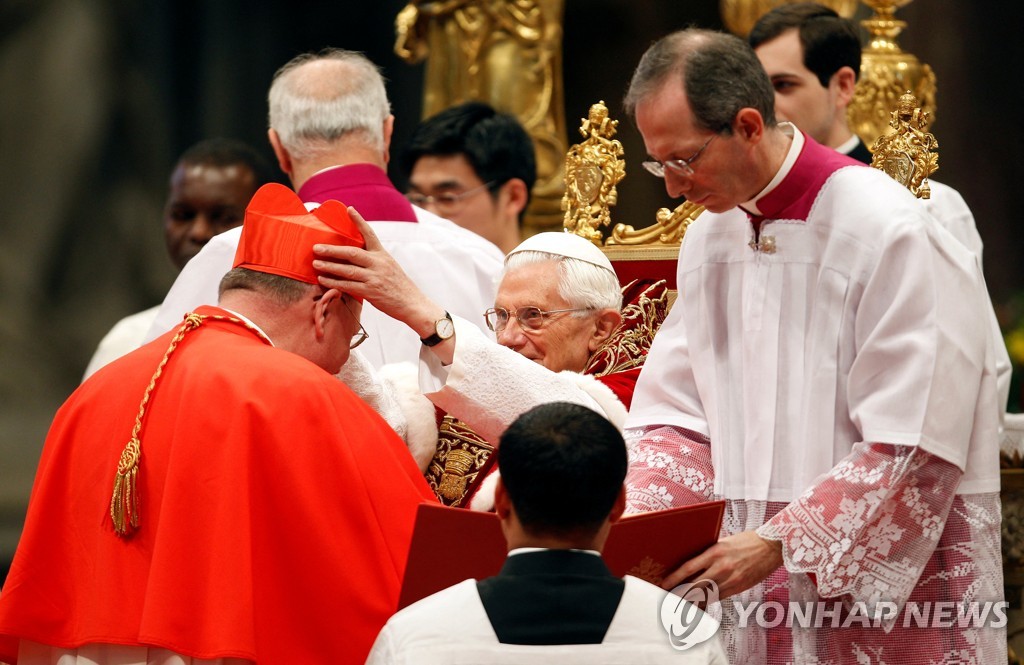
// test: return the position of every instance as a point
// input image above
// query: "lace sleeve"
(668, 467)
(868, 527)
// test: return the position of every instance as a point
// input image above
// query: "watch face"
(445, 328)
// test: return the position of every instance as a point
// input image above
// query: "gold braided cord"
(124, 502)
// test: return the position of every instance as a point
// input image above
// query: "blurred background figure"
(474, 166)
(210, 186)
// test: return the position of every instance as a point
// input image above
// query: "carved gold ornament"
(593, 168)
(908, 154)
(507, 53)
(886, 72)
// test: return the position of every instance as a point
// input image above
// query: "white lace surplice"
(885, 525)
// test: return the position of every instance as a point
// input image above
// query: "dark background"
(98, 97)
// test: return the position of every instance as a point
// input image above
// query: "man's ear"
(607, 322)
(516, 196)
(749, 125)
(284, 160)
(321, 311)
(619, 507)
(502, 504)
(389, 128)
(845, 81)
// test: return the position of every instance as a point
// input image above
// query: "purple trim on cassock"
(795, 195)
(365, 187)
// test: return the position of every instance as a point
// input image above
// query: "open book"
(453, 544)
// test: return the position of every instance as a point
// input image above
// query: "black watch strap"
(437, 338)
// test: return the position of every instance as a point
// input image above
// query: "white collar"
(531, 550)
(249, 321)
(787, 165)
(847, 146)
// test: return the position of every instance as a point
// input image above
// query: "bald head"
(318, 100)
(719, 73)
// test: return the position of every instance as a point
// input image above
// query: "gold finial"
(593, 168)
(885, 72)
(908, 154)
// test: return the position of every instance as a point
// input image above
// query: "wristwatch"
(443, 329)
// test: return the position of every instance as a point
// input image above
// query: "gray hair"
(582, 284)
(283, 290)
(720, 74)
(312, 107)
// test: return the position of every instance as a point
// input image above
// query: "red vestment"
(276, 511)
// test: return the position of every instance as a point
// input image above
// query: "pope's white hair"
(581, 283)
(318, 98)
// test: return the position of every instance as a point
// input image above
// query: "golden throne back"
(644, 259)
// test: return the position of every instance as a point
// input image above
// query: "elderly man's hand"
(371, 273)
(734, 563)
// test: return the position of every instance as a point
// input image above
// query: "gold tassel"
(124, 501)
(124, 504)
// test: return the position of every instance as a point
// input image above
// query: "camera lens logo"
(690, 614)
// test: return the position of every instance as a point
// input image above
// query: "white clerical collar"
(787, 164)
(847, 146)
(249, 321)
(530, 550)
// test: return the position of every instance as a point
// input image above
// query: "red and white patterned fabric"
(884, 526)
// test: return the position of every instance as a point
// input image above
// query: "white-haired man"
(330, 128)
(558, 302)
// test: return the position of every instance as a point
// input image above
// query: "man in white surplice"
(827, 370)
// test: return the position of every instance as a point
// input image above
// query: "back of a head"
(829, 41)
(274, 257)
(224, 152)
(495, 144)
(563, 466)
(317, 99)
(720, 75)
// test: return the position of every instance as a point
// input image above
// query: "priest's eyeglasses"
(529, 318)
(361, 335)
(678, 166)
(446, 201)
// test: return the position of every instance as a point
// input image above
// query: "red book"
(453, 544)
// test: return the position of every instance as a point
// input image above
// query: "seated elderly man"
(557, 303)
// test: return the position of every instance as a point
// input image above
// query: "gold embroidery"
(641, 317)
(648, 569)
(453, 480)
(461, 455)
